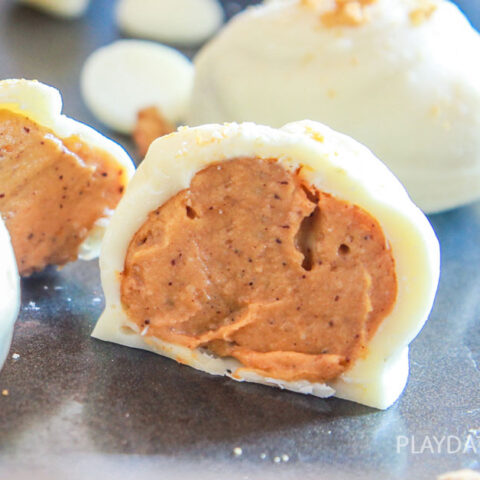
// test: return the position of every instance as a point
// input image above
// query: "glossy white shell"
(9, 292)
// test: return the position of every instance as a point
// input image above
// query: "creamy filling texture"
(251, 262)
(52, 191)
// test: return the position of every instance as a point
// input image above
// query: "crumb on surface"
(331, 93)
(15, 356)
(32, 306)
(435, 111)
(150, 125)
(315, 135)
(422, 14)
(346, 13)
(5, 392)
(237, 451)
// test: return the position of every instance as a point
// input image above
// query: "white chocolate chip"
(122, 78)
(60, 8)
(185, 22)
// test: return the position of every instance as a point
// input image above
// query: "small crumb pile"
(422, 14)
(346, 13)
(150, 125)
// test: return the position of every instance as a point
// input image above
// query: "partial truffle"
(400, 76)
(59, 180)
(10, 292)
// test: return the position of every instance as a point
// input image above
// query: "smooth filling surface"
(251, 263)
(52, 191)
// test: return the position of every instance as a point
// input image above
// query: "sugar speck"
(32, 306)
(15, 356)
(285, 457)
(277, 459)
(237, 451)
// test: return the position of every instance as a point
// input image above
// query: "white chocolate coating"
(60, 8)
(181, 22)
(122, 78)
(43, 105)
(10, 292)
(340, 166)
(406, 83)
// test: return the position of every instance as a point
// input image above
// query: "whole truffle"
(400, 76)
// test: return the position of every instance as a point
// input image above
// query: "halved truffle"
(288, 257)
(59, 179)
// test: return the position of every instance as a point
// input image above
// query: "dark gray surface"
(79, 408)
